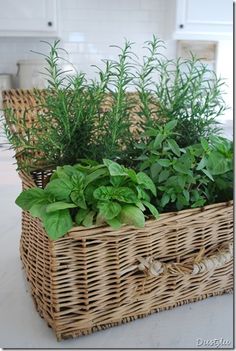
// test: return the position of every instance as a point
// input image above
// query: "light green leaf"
(114, 168)
(88, 220)
(115, 223)
(80, 216)
(59, 206)
(109, 209)
(123, 194)
(31, 197)
(146, 181)
(60, 188)
(170, 125)
(152, 209)
(208, 174)
(204, 144)
(158, 140)
(57, 223)
(95, 175)
(132, 215)
(78, 198)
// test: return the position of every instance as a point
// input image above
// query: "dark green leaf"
(174, 147)
(208, 174)
(165, 199)
(163, 175)
(158, 140)
(164, 162)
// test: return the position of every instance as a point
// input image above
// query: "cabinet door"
(199, 18)
(27, 15)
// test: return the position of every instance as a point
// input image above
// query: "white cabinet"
(28, 17)
(204, 19)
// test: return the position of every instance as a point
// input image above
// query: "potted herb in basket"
(125, 193)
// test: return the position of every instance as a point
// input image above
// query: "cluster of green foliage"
(193, 176)
(104, 172)
(91, 194)
(72, 123)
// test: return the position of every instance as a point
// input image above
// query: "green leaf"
(208, 174)
(59, 206)
(170, 126)
(164, 162)
(163, 175)
(146, 181)
(109, 209)
(38, 210)
(116, 180)
(95, 175)
(186, 195)
(181, 181)
(152, 209)
(31, 197)
(174, 147)
(88, 220)
(123, 194)
(60, 188)
(165, 200)
(114, 168)
(115, 223)
(57, 223)
(204, 144)
(80, 216)
(158, 140)
(78, 198)
(201, 164)
(132, 215)
(155, 170)
(139, 204)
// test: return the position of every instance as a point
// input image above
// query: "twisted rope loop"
(193, 266)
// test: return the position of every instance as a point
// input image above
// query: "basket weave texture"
(95, 278)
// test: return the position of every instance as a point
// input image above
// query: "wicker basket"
(96, 278)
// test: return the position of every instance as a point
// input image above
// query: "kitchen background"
(86, 28)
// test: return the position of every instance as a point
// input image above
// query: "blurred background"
(86, 28)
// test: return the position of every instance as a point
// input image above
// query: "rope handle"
(194, 265)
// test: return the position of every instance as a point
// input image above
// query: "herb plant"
(91, 194)
(96, 119)
(187, 177)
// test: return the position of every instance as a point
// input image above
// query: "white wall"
(88, 27)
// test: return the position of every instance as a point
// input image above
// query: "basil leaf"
(80, 216)
(114, 168)
(60, 188)
(132, 215)
(31, 197)
(77, 196)
(88, 220)
(57, 223)
(109, 209)
(59, 206)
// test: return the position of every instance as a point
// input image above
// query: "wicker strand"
(198, 265)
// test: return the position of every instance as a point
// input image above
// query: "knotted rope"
(193, 266)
